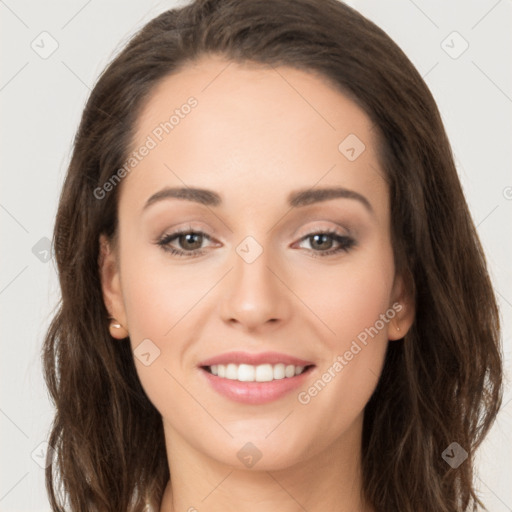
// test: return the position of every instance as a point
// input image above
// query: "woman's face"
(257, 275)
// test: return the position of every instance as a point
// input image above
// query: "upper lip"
(255, 359)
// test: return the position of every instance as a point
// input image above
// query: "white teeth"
(260, 373)
(289, 371)
(246, 373)
(264, 373)
(279, 372)
(232, 371)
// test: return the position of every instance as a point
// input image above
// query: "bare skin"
(256, 135)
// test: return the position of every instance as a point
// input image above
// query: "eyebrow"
(295, 199)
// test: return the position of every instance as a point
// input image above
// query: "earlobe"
(111, 288)
(403, 305)
(396, 330)
(117, 330)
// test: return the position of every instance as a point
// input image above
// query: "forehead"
(251, 127)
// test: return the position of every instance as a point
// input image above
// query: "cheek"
(162, 305)
(349, 298)
(353, 301)
(160, 295)
(358, 299)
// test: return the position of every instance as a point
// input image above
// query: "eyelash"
(346, 243)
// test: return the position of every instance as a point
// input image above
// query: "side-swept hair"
(441, 383)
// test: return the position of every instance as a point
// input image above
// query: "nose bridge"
(254, 295)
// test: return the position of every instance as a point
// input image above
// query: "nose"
(255, 295)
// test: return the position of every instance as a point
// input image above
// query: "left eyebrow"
(305, 197)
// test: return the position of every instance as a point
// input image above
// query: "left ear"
(402, 303)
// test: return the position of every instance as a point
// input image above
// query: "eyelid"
(184, 228)
(317, 226)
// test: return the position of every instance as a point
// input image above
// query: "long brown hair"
(441, 383)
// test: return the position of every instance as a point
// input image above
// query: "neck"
(329, 480)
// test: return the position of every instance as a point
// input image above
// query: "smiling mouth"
(256, 373)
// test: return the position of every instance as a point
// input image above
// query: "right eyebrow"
(198, 195)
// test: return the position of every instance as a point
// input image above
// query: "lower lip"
(255, 392)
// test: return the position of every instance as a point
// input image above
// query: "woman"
(273, 294)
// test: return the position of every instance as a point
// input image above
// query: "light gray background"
(41, 102)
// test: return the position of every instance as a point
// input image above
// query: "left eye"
(324, 241)
(191, 242)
